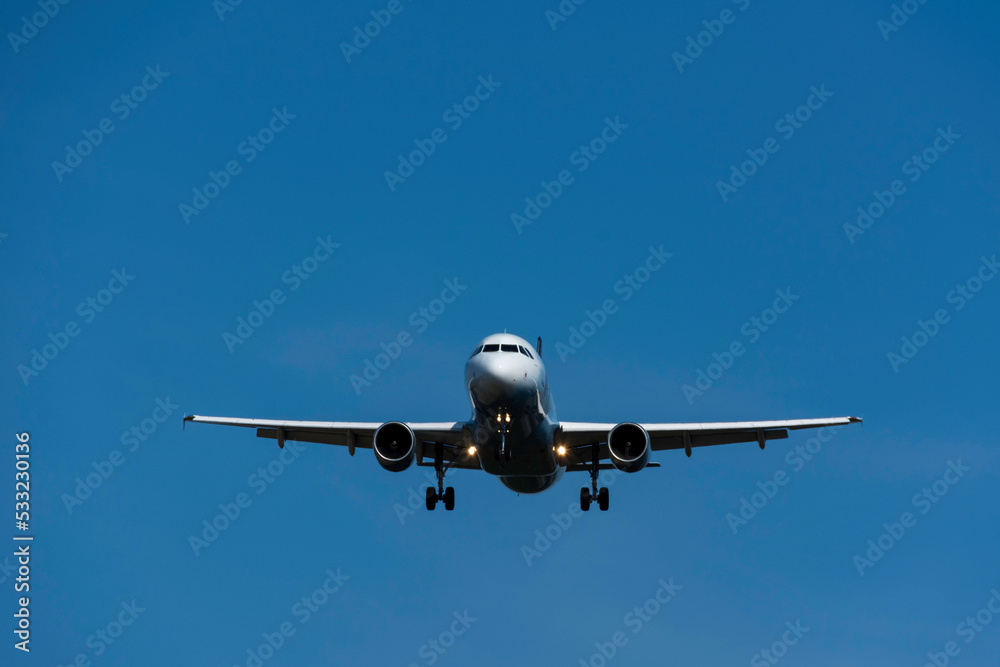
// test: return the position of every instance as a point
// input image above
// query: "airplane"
(514, 433)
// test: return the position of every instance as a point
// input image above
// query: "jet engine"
(628, 446)
(395, 446)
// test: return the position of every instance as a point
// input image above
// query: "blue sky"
(318, 189)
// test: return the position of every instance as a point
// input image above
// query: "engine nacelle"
(628, 446)
(395, 446)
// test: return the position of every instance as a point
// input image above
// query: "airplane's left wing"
(347, 434)
(578, 437)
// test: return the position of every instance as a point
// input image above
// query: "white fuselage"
(512, 409)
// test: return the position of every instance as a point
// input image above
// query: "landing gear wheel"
(441, 493)
(602, 499)
(587, 496)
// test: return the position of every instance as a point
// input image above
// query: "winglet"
(856, 420)
(187, 418)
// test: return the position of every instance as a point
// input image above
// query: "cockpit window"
(508, 348)
(493, 347)
(525, 352)
(476, 351)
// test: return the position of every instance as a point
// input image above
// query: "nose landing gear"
(502, 452)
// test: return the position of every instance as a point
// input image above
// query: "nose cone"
(500, 378)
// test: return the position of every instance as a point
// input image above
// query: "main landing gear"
(591, 494)
(443, 494)
(448, 496)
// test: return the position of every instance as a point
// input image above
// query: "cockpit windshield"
(502, 347)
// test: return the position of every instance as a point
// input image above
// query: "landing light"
(472, 451)
(560, 450)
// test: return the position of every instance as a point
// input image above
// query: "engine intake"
(395, 446)
(628, 446)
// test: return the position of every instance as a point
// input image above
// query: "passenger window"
(491, 348)
(508, 348)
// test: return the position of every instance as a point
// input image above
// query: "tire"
(602, 499)
(431, 498)
(585, 499)
(449, 498)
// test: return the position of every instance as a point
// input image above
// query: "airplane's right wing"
(347, 434)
